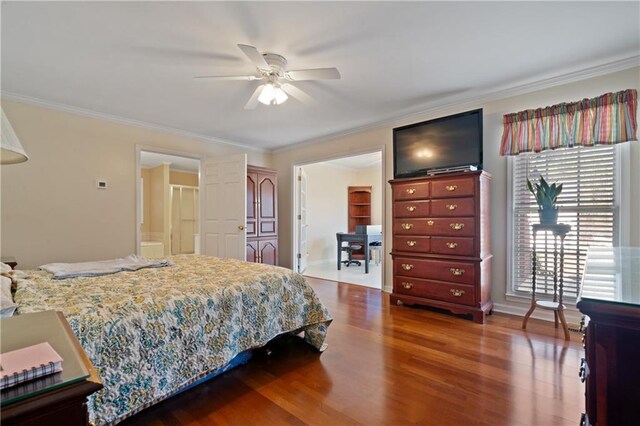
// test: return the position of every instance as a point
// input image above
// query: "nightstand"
(56, 399)
(9, 260)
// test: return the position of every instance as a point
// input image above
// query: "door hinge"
(299, 256)
(299, 217)
(299, 178)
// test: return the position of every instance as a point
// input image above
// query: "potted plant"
(546, 196)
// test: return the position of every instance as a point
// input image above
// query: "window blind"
(587, 203)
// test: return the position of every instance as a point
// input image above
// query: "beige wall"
(183, 178)
(50, 207)
(326, 209)
(493, 111)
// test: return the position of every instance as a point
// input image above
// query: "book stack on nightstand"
(56, 398)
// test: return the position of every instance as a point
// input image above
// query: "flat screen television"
(444, 143)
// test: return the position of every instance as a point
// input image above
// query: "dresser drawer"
(453, 207)
(455, 227)
(441, 270)
(412, 244)
(447, 292)
(411, 191)
(412, 208)
(457, 246)
(450, 188)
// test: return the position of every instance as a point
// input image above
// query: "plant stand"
(559, 231)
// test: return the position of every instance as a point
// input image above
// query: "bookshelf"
(359, 210)
(359, 206)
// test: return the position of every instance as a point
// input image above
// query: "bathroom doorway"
(168, 204)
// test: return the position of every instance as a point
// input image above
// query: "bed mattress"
(152, 332)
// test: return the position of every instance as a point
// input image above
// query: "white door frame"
(157, 150)
(335, 156)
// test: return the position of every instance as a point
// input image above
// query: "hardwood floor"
(394, 365)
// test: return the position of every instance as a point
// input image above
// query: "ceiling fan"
(272, 71)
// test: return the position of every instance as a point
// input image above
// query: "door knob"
(241, 227)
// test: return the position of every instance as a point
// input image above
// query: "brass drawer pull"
(407, 285)
(584, 370)
(411, 191)
(411, 243)
(456, 292)
(452, 245)
(457, 272)
(407, 266)
(430, 222)
(411, 208)
(407, 226)
(452, 206)
(457, 226)
(451, 188)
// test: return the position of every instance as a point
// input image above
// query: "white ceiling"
(136, 60)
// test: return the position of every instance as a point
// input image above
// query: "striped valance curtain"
(607, 119)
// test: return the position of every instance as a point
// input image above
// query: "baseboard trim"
(572, 316)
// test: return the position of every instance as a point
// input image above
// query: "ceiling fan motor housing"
(277, 63)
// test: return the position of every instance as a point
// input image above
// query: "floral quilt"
(151, 332)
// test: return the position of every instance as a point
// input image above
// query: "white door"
(224, 206)
(302, 221)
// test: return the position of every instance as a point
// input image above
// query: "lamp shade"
(11, 151)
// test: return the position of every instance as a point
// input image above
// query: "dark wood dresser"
(610, 299)
(441, 251)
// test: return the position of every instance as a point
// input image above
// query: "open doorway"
(339, 211)
(169, 204)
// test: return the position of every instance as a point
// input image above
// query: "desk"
(365, 239)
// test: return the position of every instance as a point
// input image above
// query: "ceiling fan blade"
(255, 56)
(228, 77)
(314, 74)
(298, 94)
(253, 100)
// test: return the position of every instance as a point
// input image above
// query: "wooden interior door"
(224, 210)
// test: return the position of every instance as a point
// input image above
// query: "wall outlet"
(101, 184)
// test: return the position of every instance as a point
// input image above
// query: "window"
(587, 203)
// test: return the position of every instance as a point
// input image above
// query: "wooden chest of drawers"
(441, 252)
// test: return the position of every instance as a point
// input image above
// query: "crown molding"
(470, 99)
(473, 99)
(125, 121)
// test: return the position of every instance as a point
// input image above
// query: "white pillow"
(4, 267)
(7, 307)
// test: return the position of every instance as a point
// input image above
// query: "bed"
(153, 332)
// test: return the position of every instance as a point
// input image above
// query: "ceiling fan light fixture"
(267, 94)
(280, 96)
(272, 95)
